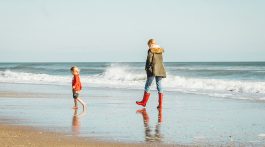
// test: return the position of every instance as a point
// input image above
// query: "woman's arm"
(149, 59)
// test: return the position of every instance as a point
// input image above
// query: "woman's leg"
(160, 91)
(148, 83)
(159, 84)
(146, 92)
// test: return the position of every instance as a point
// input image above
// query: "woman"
(155, 70)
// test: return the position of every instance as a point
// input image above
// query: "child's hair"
(151, 41)
(73, 68)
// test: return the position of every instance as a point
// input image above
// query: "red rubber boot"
(145, 99)
(160, 100)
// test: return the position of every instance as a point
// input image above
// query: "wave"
(216, 68)
(122, 73)
(25, 77)
(122, 76)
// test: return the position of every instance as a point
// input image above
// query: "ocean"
(205, 104)
(235, 80)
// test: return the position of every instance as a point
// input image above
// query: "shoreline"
(15, 135)
(33, 118)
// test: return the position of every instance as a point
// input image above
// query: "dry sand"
(18, 136)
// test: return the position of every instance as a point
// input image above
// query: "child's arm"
(74, 83)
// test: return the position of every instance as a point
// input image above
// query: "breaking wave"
(126, 77)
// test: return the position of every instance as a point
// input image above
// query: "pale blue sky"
(117, 30)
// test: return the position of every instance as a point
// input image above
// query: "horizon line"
(124, 61)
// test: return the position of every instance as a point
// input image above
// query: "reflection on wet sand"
(76, 121)
(149, 137)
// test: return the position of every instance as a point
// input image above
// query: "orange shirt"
(76, 83)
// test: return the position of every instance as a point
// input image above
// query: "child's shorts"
(75, 94)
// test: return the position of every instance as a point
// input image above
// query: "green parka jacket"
(154, 63)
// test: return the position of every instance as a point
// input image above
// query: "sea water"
(204, 103)
(240, 80)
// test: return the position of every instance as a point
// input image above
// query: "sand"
(26, 136)
(111, 119)
(21, 136)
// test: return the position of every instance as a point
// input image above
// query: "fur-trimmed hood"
(156, 49)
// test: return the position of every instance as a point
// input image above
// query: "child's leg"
(75, 96)
(82, 102)
(76, 106)
(75, 102)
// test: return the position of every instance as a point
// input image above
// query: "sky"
(118, 30)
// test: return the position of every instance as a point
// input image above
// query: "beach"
(25, 136)
(163, 73)
(16, 133)
(42, 110)
(189, 123)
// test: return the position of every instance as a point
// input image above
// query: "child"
(76, 87)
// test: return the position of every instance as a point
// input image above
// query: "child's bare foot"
(75, 107)
(141, 110)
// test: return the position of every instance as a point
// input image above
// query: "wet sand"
(21, 135)
(26, 136)
(113, 119)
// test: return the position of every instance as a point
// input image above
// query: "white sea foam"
(262, 135)
(23, 77)
(116, 76)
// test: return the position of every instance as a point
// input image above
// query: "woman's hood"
(156, 49)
